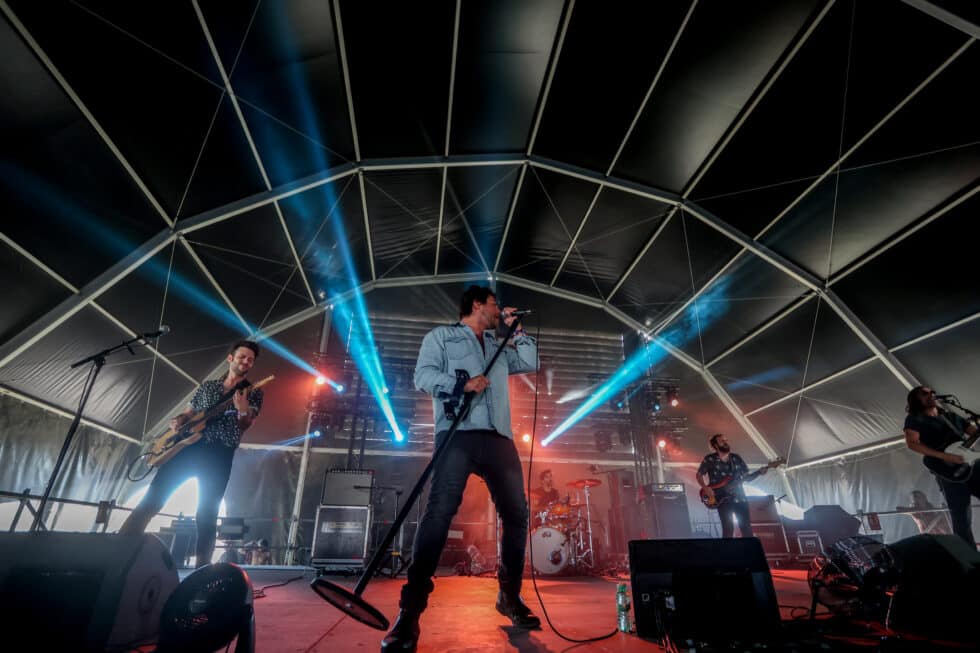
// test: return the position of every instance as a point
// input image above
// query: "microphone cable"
(530, 541)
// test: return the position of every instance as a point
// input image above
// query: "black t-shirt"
(934, 432)
(717, 469)
(544, 497)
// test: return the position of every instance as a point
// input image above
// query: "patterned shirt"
(717, 469)
(223, 430)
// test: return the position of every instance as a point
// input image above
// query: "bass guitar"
(164, 447)
(725, 488)
(956, 472)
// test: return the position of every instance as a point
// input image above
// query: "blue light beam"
(702, 312)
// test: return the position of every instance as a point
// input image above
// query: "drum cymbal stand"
(587, 555)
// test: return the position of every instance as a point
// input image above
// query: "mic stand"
(352, 603)
(97, 360)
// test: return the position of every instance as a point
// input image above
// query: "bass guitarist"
(210, 458)
(929, 430)
(713, 470)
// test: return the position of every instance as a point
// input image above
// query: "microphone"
(517, 313)
(149, 335)
(944, 397)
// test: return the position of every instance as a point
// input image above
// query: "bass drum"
(550, 550)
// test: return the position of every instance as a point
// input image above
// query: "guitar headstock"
(776, 463)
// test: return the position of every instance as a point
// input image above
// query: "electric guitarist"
(713, 470)
(209, 459)
(930, 431)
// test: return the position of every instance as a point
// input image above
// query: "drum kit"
(562, 540)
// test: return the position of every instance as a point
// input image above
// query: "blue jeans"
(493, 457)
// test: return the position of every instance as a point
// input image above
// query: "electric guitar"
(164, 447)
(956, 472)
(725, 488)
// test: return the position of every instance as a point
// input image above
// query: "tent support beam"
(251, 144)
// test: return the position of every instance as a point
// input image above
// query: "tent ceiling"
(546, 144)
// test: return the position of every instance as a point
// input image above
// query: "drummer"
(546, 493)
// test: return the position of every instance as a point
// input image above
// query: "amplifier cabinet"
(341, 535)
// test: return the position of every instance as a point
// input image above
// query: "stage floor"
(461, 615)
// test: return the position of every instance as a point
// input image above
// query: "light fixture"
(321, 380)
(662, 442)
(526, 437)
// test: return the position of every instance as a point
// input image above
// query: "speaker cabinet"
(937, 590)
(703, 590)
(83, 591)
(347, 487)
(341, 535)
(666, 511)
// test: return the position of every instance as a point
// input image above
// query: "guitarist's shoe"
(513, 607)
(404, 635)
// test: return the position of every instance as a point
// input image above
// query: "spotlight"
(662, 442)
(317, 433)
(209, 609)
(322, 294)
(340, 388)
(675, 402)
(321, 380)
(526, 437)
(384, 390)
(672, 397)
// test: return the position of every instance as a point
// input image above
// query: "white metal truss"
(723, 143)
(251, 144)
(754, 333)
(622, 145)
(871, 132)
(951, 19)
(87, 294)
(904, 376)
(552, 67)
(74, 290)
(70, 92)
(538, 114)
(449, 123)
(61, 412)
(130, 171)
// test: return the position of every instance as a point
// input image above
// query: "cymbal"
(584, 482)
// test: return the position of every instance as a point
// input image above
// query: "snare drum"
(550, 550)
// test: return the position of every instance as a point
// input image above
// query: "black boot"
(404, 635)
(513, 607)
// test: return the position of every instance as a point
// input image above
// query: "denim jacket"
(446, 349)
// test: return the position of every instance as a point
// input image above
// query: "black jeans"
(211, 464)
(494, 458)
(727, 511)
(958, 496)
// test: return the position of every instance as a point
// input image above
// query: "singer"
(210, 458)
(929, 430)
(451, 362)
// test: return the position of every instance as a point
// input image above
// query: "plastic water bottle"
(623, 621)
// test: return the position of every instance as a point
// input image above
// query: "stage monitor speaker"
(83, 591)
(347, 487)
(341, 535)
(773, 539)
(937, 589)
(703, 590)
(666, 511)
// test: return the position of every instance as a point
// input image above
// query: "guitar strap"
(959, 432)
